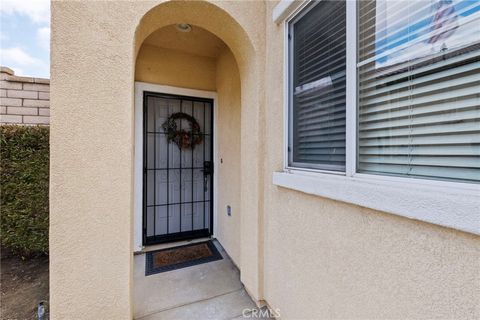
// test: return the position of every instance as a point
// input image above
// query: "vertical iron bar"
(180, 182)
(168, 170)
(154, 171)
(192, 172)
(204, 143)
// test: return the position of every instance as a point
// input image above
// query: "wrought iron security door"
(177, 179)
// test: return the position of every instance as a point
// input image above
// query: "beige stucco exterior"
(229, 154)
(309, 257)
(174, 68)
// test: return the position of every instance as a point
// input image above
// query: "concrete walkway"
(207, 291)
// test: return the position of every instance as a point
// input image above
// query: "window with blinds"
(419, 88)
(317, 87)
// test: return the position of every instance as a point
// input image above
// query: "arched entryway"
(187, 73)
(214, 61)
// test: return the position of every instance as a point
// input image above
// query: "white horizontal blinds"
(419, 88)
(318, 87)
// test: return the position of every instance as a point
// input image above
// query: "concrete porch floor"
(207, 291)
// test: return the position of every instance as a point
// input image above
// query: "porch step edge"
(243, 298)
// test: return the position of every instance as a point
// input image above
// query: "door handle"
(207, 167)
(207, 170)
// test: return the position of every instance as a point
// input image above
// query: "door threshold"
(171, 245)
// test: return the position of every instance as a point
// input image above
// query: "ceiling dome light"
(184, 27)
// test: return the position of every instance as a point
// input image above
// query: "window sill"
(430, 201)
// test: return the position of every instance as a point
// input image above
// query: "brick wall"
(23, 100)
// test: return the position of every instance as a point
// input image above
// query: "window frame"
(289, 25)
(289, 164)
(454, 203)
(351, 148)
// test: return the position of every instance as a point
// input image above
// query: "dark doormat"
(180, 257)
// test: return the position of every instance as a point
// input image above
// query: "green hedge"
(24, 157)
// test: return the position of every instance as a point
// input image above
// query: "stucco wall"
(91, 160)
(228, 161)
(331, 260)
(174, 68)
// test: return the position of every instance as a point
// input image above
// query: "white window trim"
(451, 204)
(285, 8)
(140, 87)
